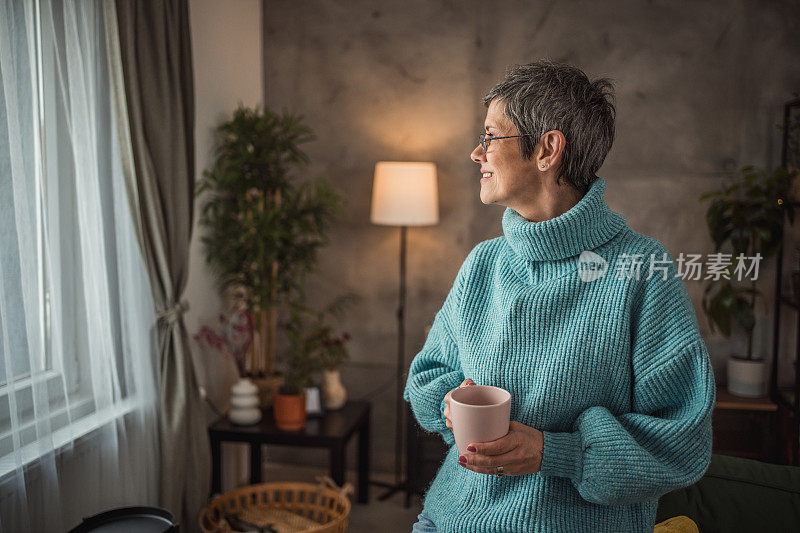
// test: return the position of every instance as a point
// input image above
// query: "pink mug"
(479, 413)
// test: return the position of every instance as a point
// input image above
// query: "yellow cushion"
(676, 524)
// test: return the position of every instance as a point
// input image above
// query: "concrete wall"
(699, 93)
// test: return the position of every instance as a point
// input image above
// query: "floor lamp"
(403, 194)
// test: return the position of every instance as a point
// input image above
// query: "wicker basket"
(289, 507)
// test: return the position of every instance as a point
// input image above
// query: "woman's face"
(506, 178)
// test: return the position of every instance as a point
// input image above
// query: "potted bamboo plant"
(263, 227)
(747, 218)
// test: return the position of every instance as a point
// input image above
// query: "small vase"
(244, 403)
(334, 395)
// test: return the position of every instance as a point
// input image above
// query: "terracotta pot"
(290, 411)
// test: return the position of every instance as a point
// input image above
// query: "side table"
(745, 427)
(332, 430)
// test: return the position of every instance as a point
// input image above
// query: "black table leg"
(255, 463)
(216, 484)
(363, 461)
(337, 463)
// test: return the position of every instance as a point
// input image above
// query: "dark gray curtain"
(155, 48)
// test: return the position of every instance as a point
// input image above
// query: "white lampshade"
(405, 194)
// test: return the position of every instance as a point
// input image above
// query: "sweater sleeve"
(664, 443)
(436, 369)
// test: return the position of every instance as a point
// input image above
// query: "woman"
(584, 321)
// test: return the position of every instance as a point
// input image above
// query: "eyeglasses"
(485, 140)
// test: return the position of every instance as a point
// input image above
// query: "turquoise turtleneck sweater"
(612, 371)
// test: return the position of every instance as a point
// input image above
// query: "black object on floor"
(129, 520)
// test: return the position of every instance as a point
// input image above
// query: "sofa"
(738, 495)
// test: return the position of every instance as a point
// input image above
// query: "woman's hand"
(519, 452)
(467, 382)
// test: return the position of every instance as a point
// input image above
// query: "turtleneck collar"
(588, 224)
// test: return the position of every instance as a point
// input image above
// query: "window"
(69, 260)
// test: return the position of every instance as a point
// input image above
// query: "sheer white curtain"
(78, 427)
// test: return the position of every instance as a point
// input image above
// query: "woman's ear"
(549, 150)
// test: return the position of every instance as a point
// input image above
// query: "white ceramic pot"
(334, 395)
(244, 403)
(747, 377)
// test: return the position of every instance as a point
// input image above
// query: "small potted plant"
(331, 349)
(747, 218)
(300, 363)
(312, 348)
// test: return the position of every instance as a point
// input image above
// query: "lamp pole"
(403, 194)
(399, 483)
(401, 337)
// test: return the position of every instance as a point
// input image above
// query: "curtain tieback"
(173, 312)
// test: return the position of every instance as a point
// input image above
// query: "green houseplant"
(745, 217)
(313, 338)
(306, 355)
(263, 226)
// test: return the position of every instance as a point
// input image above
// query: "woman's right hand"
(466, 383)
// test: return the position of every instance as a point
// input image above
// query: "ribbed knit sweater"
(613, 371)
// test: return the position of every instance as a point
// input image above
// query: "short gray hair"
(543, 96)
